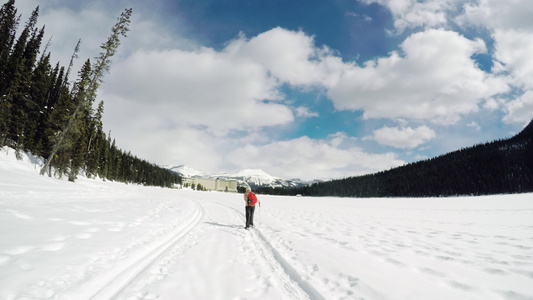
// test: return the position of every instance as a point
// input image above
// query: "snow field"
(103, 240)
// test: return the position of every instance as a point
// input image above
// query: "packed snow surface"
(104, 240)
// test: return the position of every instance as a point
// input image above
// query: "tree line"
(498, 167)
(42, 112)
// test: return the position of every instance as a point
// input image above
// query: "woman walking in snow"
(250, 199)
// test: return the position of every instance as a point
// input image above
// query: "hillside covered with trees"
(498, 167)
(42, 112)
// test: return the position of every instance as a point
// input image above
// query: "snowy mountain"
(186, 171)
(252, 177)
(258, 178)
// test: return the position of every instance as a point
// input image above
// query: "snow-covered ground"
(105, 240)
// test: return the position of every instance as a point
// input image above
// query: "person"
(250, 199)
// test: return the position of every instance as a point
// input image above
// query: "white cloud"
(91, 21)
(192, 101)
(492, 104)
(152, 132)
(404, 138)
(474, 125)
(512, 31)
(204, 87)
(413, 13)
(514, 50)
(435, 79)
(496, 14)
(302, 111)
(521, 109)
(232, 89)
(290, 56)
(510, 26)
(65, 27)
(311, 159)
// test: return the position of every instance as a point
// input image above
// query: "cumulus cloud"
(508, 23)
(302, 111)
(474, 125)
(63, 38)
(495, 14)
(413, 13)
(194, 100)
(91, 21)
(203, 87)
(317, 157)
(239, 88)
(433, 78)
(220, 89)
(403, 138)
(290, 56)
(514, 50)
(512, 31)
(520, 110)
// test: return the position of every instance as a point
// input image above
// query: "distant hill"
(498, 167)
(253, 178)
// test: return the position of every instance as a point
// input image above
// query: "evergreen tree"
(39, 92)
(18, 80)
(95, 140)
(8, 26)
(39, 112)
(86, 94)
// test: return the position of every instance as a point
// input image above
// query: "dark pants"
(250, 216)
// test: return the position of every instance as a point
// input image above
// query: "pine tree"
(8, 26)
(87, 94)
(18, 81)
(95, 141)
(39, 92)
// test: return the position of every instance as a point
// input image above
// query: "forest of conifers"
(42, 112)
(499, 167)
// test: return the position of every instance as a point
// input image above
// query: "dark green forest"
(498, 167)
(43, 112)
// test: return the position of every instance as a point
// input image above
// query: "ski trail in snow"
(289, 270)
(256, 271)
(120, 276)
(295, 284)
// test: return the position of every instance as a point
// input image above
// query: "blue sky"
(304, 89)
(342, 25)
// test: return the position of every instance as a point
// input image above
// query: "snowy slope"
(105, 240)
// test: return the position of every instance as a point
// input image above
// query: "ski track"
(135, 281)
(311, 292)
(108, 285)
(294, 283)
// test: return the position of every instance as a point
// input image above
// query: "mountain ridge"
(254, 178)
